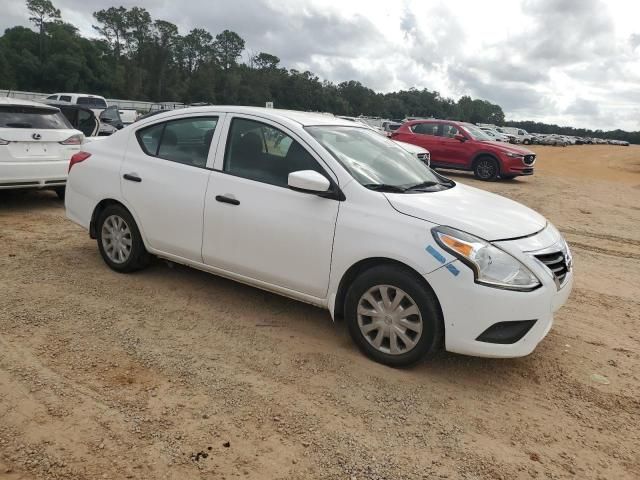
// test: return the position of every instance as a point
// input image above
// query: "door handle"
(132, 177)
(229, 200)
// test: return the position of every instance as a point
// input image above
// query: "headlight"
(491, 266)
(515, 155)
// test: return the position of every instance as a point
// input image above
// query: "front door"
(164, 181)
(453, 151)
(254, 225)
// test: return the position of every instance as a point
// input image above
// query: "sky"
(570, 62)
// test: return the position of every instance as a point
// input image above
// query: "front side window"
(372, 159)
(448, 131)
(17, 116)
(65, 98)
(265, 154)
(185, 141)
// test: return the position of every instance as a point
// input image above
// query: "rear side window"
(65, 98)
(185, 141)
(425, 128)
(260, 152)
(30, 117)
(52, 97)
(92, 102)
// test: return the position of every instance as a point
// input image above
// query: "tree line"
(140, 58)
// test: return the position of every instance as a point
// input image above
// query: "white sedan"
(330, 213)
(36, 143)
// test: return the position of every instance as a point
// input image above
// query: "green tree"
(228, 47)
(113, 27)
(265, 61)
(42, 12)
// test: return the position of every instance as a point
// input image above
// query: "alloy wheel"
(486, 169)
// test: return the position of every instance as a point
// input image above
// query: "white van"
(521, 135)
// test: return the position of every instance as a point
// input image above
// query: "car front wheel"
(486, 168)
(119, 240)
(393, 317)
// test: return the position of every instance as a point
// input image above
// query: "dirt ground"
(171, 373)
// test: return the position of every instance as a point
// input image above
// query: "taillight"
(77, 158)
(73, 140)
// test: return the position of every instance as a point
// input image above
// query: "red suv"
(463, 146)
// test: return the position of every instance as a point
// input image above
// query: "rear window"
(30, 117)
(92, 102)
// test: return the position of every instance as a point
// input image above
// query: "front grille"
(529, 159)
(557, 263)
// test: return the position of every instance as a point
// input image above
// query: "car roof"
(302, 118)
(10, 101)
(77, 94)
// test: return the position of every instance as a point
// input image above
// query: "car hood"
(472, 210)
(508, 147)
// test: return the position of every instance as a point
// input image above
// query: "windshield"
(17, 116)
(476, 133)
(373, 159)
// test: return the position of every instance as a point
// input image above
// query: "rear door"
(426, 136)
(164, 179)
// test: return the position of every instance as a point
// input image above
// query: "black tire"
(60, 192)
(138, 256)
(486, 168)
(429, 341)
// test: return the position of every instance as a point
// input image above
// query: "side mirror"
(308, 181)
(460, 137)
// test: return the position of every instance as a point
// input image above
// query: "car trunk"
(33, 144)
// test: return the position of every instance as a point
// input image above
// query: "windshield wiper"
(419, 186)
(383, 187)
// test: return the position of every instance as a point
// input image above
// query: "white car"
(420, 153)
(496, 135)
(36, 143)
(331, 213)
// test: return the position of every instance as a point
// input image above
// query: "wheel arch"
(363, 265)
(99, 208)
(484, 154)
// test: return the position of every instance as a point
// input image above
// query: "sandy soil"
(176, 374)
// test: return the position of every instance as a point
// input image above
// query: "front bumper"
(470, 309)
(39, 174)
(515, 166)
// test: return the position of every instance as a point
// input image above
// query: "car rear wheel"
(393, 317)
(119, 240)
(486, 168)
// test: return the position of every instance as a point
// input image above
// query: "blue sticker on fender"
(435, 254)
(452, 269)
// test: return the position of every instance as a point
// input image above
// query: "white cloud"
(564, 61)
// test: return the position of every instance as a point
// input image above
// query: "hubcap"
(116, 239)
(389, 319)
(485, 169)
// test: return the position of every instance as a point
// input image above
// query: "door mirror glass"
(308, 181)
